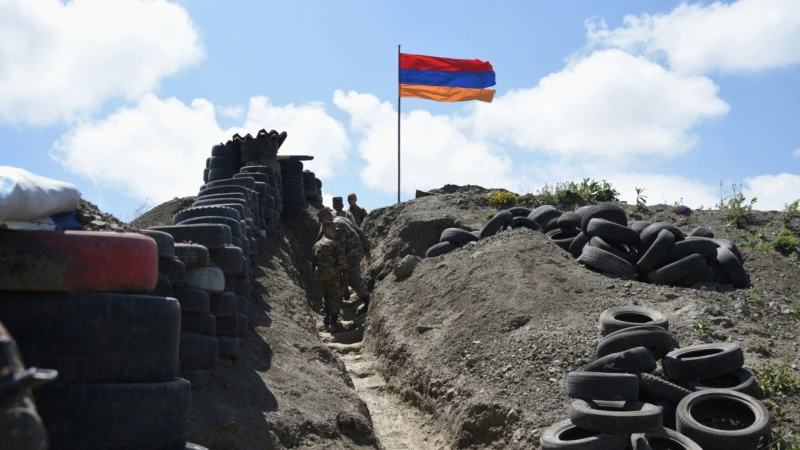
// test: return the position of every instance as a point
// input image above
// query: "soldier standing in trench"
(338, 210)
(356, 211)
(329, 265)
(356, 245)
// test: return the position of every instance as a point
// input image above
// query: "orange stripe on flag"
(446, 93)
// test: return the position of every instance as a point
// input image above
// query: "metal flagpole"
(398, 123)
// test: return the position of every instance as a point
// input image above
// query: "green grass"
(782, 440)
(785, 243)
(760, 347)
(790, 209)
(754, 298)
(561, 195)
(702, 326)
(736, 208)
(778, 377)
(491, 214)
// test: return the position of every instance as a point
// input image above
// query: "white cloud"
(772, 191)
(231, 112)
(796, 153)
(61, 61)
(610, 104)
(746, 35)
(434, 148)
(157, 148)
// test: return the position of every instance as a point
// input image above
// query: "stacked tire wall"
(81, 307)
(293, 187)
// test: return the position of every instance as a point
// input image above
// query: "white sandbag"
(26, 196)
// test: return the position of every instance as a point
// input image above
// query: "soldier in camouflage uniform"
(356, 245)
(338, 210)
(329, 265)
(356, 211)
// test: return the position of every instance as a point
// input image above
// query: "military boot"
(334, 325)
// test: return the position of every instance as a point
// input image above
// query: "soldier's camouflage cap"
(324, 211)
(337, 199)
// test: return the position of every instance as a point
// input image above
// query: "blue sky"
(675, 98)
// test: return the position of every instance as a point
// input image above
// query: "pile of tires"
(294, 197)
(80, 307)
(618, 403)
(313, 189)
(601, 238)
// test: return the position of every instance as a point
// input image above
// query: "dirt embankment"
(287, 389)
(483, 337)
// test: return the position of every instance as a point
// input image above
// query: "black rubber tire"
(243, 286)
(519, 211)
(667, 410)
(223, 304)
(543, 214)
(193, 256)
(620, 250)
(243, 206)
(164, 242)
(689, 247)
(224, 162)
(248, 193)
(656, 339)
(612, 232)
(228, 326)
(568, 220)
(602, 386)
(205, 175)
(615, 319)
(163, 287)
(657, 387)
(607, 211)
(225, 150)
(220, 174)
(198, 351)
(204, 211)
(229, 259)
(649, 234)
(205, 324)
(700, 406)
(576, 247)
(441, 248)
(21, 428)
(242, 304)
(192, 300)
(248, 183)
(174, 270)
(266, 170)
(495, 224)
(234, 225)
(228, 347)
(457, 235)
(639, 225)
(657, 252)
(702, 231)
(562, 237)
(674, 273)
(257, 177)
(199, 379)
(703, 276)
(230, 283)
(524, 222)
(740, 381)
(243, 330)
(615, 417)
(732, 267)
(606, 262)
(635, 360)
(142, 415)
(565, 435)
(703, 361)
(662, 439)
(96, 337)
(208, 235)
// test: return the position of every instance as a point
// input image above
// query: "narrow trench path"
(397, 425)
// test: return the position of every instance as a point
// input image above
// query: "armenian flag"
(446, 79)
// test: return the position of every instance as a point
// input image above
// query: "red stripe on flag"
(422, 62)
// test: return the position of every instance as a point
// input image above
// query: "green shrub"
(785, 243)
(502, 198)
(736, 207)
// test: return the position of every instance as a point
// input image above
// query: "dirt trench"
(396, 424)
